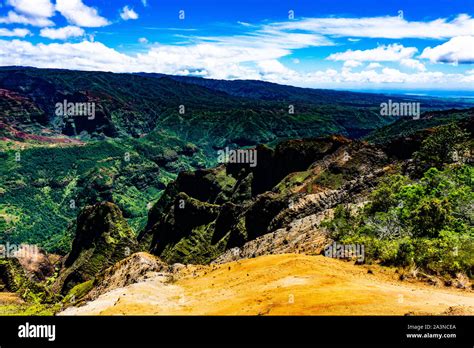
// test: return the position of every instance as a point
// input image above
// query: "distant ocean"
(424, 93)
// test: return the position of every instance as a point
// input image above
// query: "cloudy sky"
(315, 43)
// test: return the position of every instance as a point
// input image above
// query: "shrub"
(441, 148)
(425, 224)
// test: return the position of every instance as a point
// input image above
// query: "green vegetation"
(426, 224)
(139, 140)
(44, 187)
(30, 309)
(33, 298)
(447, 145)
(195, 248)
(134, 105)
(78, 292)
(102, 237)
(406, 127)
(422, 221)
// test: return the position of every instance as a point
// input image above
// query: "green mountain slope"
(213, 113)
(139, 140)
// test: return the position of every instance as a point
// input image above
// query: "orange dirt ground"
(289, 284)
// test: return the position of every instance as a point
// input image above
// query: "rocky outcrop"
(135, 268)
(36, 262)
(288, 157)
(313, 203)
(203, 214)
(103, 237)
(301, 236)
(187, 219)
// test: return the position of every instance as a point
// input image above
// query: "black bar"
(244, 331)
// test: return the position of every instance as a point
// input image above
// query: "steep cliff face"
(103, 237)
(292, 156)
(203, 214)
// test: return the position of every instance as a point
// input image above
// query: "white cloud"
(29, 12)
(145, 3)
(255, 55)
(296, 61)
(271, 37)
(374, 66)
(413, 64)
(219, 61)
(82, 56)
(15, 18)
(14, 32)
(352, 64)
(389, 53)
(33, 8)
(62, 33)
(382, 27)
(273, 70)
(79, 14)
(394, 76)
(273, 66)
(457, 50)
(128, 13)
(211, 61)
(245, 24)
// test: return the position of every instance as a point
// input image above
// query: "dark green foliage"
(58, 181)
(448, 144)
(13, 278)
(133, 105)
(430, 216)
(385, 196)
(426, 223)
(407, 127)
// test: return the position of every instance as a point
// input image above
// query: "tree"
(430, 217)
(446, 145)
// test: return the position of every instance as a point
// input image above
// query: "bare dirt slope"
(9, 298)
(288, 284)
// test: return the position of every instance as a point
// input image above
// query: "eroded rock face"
(294, 156)
(136, 268)
(36, 262)
(185, 216)
(194, 222)
(103, 237)
(301, 236)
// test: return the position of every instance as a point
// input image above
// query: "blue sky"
(363, 44)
